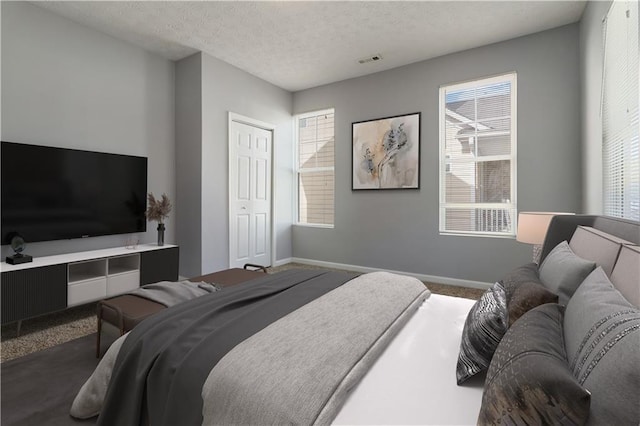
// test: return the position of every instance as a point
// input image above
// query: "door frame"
(238, 118)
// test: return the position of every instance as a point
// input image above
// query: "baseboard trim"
(422, 277)
(282, 261)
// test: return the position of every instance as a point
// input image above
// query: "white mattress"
(414, 380)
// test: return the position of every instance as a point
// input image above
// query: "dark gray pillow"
(525, 291)
(483, 329)
(527, 296)
(519, 275)
(602, 338)
(529, 381)
(562, 271)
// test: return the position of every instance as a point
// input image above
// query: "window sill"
(313, 225)
(478, 234)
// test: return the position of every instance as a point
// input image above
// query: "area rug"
(38, 389)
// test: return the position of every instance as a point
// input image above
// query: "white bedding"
(414, 380)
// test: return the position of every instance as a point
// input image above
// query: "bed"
(413, 381)
(395, 363)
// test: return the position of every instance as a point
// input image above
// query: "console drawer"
(86, 291)
(123, 283)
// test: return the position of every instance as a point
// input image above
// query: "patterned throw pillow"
(525, 291)
(521, 274)
(602, 338)
(527, 296)
(483, 329)
(529, 381)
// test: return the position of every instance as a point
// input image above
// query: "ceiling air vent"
(371, 58)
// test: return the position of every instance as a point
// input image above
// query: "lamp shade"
(532, 226)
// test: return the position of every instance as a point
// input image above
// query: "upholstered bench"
(128, 310)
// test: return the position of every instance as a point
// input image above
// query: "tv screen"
(56, 193)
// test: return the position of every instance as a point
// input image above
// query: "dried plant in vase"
(158, 210)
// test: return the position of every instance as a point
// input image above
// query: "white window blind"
(315, 169)
(478, 157)
(620, 127)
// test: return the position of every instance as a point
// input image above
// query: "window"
(620, 127)
(316, 141)
(478, 157)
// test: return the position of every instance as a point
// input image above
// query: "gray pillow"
(485, 325)
(602, 338)
(562, 271)
(529, 382)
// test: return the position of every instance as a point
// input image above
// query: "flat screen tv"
(53, 193)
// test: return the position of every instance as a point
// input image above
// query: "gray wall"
(400, 228)
(188, 86)
(66, 85)
(224, 89)
(591, 88)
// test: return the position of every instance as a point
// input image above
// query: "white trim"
(514, 150)
(250, 121)
(482, 159)
(296, 166)
(511, 77)
(461, 85)
(266, 126)
(314, 225)
(478, 234)
(496, 206)
(282, 261)
(442, 158)
(295, 178)
(315, 113)
(297, 170)
(422, 277)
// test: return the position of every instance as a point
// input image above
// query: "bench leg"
(256, 267)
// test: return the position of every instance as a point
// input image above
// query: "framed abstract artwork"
(386, 153)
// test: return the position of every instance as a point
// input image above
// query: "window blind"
(620, 126)
(316, 168)
(477, 157)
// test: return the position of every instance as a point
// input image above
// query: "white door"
(249, 195)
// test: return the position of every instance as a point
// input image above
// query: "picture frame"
(386, 153)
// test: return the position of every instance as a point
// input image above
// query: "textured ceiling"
(298, 44)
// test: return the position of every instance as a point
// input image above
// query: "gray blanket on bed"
(164, 361)
(300, 369)
(295, 368)
(169, 293)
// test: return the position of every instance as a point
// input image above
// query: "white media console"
(53, 283)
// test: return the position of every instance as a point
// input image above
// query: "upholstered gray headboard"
(562, 228)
